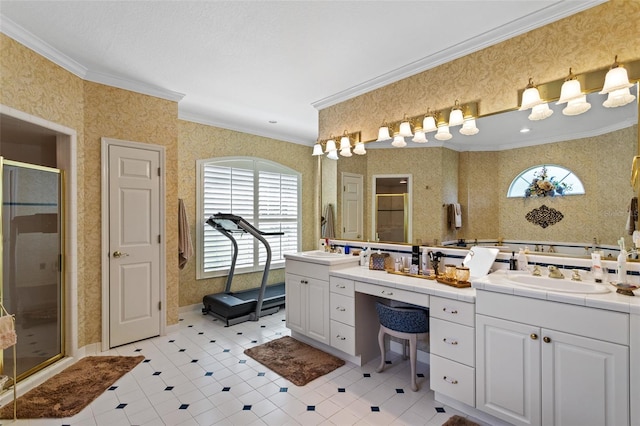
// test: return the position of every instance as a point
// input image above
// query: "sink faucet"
(536, 271)
(554, 272)
(576, 275)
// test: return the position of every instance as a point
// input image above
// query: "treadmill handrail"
(237, 220)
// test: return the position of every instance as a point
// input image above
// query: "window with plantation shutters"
(265, 194)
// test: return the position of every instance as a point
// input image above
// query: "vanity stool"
(404, 323)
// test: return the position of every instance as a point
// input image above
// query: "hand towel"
(632, 217)
(327, 230)
(457, 215)
(185, 246)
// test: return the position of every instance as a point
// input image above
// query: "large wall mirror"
(391, 210)
(598, 146)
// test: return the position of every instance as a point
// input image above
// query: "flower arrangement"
(544, 186)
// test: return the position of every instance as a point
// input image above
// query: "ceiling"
(265, 67)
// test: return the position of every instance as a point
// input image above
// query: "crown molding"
(517, 27)
(24, 37)
(195, 117)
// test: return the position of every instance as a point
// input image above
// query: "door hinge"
(159, 239)
(158, 171)
(160, 305)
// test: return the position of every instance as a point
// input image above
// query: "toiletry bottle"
(513, 263)
(596, 267)
(621, 265)
(522, 260)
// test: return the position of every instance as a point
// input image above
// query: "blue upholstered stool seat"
(404, 323)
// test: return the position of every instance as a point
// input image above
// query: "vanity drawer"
(341, 286)
(452, 341)
(307, 269)
(453, 310)
(343, 337)
(453, 379)
(342, 308)
(419, 299)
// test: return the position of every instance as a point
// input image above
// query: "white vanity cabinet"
(548, 363)
(342, 314)
(308, 297)
(452, 342)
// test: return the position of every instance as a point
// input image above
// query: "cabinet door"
(584, 381)
(508, 370)
(294, 312)
(317, 310)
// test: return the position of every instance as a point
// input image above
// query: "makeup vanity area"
(498, 351)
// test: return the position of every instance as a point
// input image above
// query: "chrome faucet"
(554, 272)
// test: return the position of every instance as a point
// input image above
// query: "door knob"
(118, 254)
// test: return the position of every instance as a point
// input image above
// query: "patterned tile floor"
(199, 375)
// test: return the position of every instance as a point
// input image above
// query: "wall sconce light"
(530, 97)
(345, 145)
(616, 86)
(429, 123)
(456, 117)
(330, 146)
(571, 94)
(469, 127)
(317, 149)
(420, 136)
(383, 132)
(398, 141)
(405, 128)
(359, 149)
(443, 133)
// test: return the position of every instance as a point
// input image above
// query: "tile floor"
(199, 375)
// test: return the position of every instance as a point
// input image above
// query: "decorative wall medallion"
(544, 216)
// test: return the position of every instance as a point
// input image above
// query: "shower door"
(32, 275)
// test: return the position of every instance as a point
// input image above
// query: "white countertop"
(499, 282)
(418, 285)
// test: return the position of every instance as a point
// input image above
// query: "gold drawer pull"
(448, 380)
(533, 336)
(451, 342)
(546, 339)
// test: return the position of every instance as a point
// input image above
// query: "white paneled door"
(134, 244)
(352, 206)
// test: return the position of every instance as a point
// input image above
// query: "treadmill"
(246, 305)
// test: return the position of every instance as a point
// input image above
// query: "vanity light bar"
(591, 81)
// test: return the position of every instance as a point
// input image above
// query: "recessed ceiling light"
(525, 130)
(273, 121)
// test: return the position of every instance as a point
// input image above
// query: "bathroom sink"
(321, 254)
(565, 285)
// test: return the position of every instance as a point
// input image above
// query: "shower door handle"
(118, 254)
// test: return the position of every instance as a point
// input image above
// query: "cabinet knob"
(388, 293)
(340, 308)
(449, 380)
(339, 337)
(533, 336)
(546, 339)
(340, 286)
(304, 282)
(453, 312)
(451, 342)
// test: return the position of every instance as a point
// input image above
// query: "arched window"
(265, 194)
(545, 180)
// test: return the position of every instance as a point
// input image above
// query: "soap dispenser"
(513, 263)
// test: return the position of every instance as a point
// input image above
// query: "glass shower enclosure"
(32, 264)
